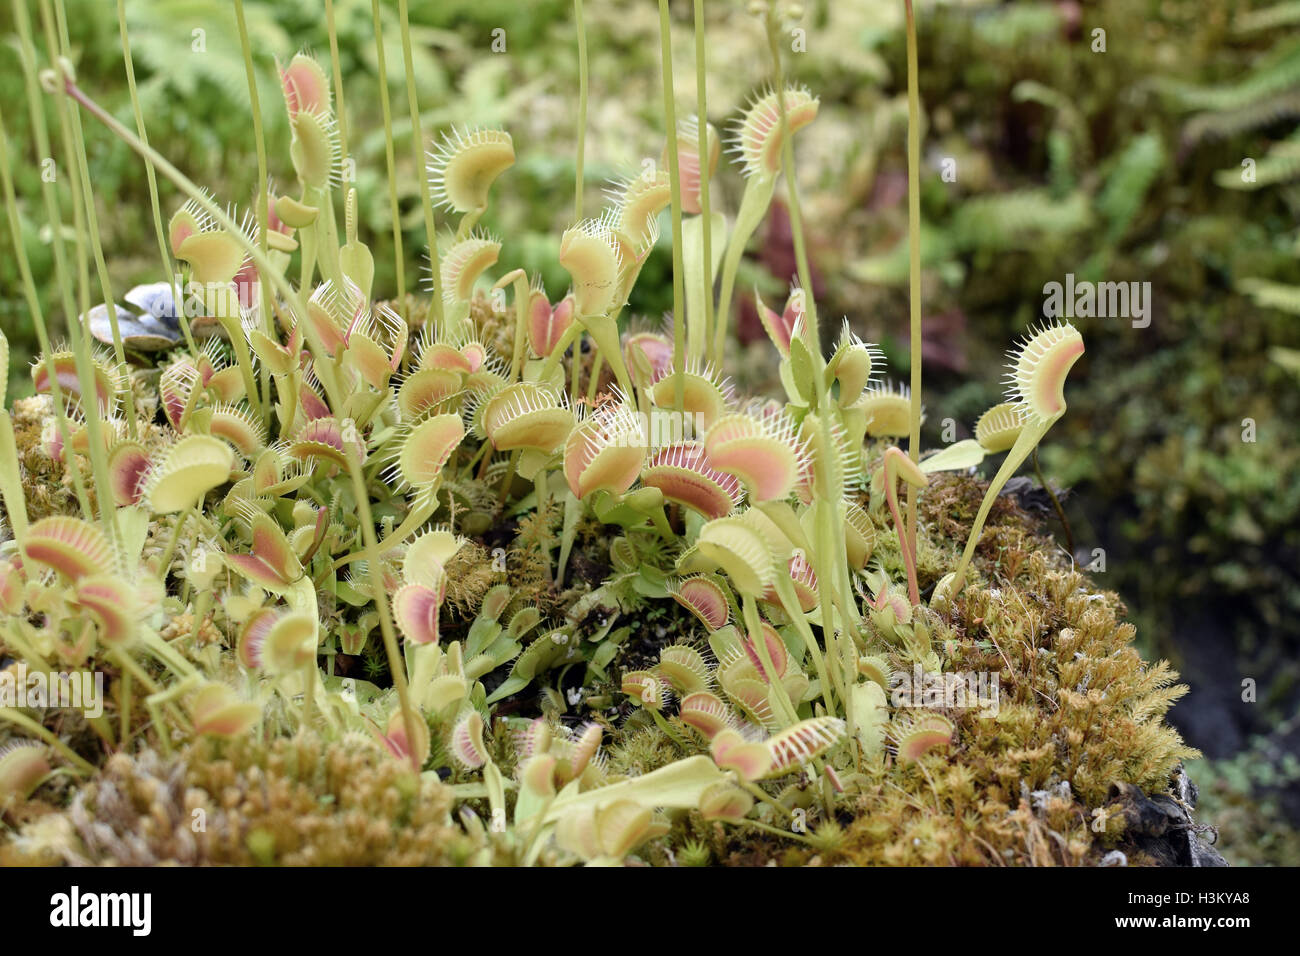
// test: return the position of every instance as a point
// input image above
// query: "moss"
(1080, 716)
(47, 483)
(469, 575)
(295, 802)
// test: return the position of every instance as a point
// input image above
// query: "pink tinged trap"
(684, 475)
(70, 546)
(704, 597)
(415, 610)
(218, 711)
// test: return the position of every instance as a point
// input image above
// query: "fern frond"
(1281, 164)
(1018, 220)
(1269, 18)
(1271, 295)
(1278, 72)
(1122, 197)
(1012, 26)
(1222, 125)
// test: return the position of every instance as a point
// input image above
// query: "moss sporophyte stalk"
(515, 580)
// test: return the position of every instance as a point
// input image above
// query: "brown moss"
(469, 575)
(1079, 713)
(294, 802)
(47, 484)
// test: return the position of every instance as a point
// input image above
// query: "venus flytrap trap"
(1036, 389)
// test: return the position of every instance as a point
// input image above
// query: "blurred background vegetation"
(1114, 156)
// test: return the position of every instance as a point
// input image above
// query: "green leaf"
(957, 456)
(870, 712)
(803, 372)
(539, 656)
(651, 582)
(677, 786)
(500, 651)
(11, 485)
(693, 264)
(523, 622)
(481, 633)
(4, 367)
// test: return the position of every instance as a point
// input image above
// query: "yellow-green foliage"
(1079, 711)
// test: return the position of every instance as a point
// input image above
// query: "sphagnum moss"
(327, 477)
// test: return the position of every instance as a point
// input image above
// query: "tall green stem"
(92, 226)
(753, 206)
(1056, 503)
(790, 602)
(155, 206)
(38, 320)
(1030, 436)
(336, 69)
(674, 175)
(80, 349)
(909, 556)
(435, 312)
(812, 335)
(579, 174)
(399, 259)
(914, 257)
(777, 694)
(263, 199)
(582, 110)
(706, 210)
(389, 633)
(829, 478)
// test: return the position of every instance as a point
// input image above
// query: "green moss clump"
(1079, 711)
(1042, 780)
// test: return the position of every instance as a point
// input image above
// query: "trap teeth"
(464, 166)
(757, 136)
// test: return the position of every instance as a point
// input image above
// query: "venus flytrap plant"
(590, 252)
(758, 142)
(914, 259)
(1036, 386)
(769, 129)
(462, 168)
(896, 465)
(38, 320)
(80, 349)
(436, 309)
(349, 473)
(314, 166)
(263, 201)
